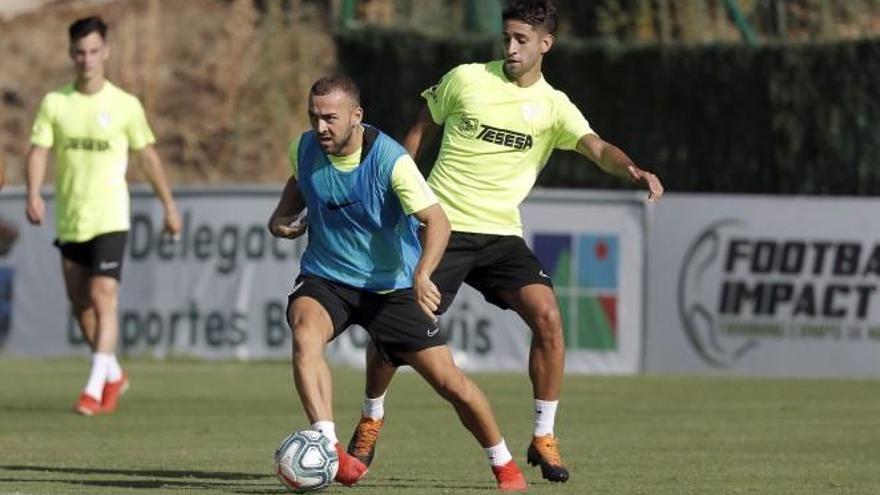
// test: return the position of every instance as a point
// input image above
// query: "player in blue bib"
(365, 264)
(361, 235)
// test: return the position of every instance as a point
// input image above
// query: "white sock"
(326, 428)
(498, 455)
(374, 408)
(114, 371)
(97, 376)
(545, 416)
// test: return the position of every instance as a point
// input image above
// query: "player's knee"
(375, 361)
(307, 342)
(548, 326)
(455, 388)
(80, 303)
(102, 296)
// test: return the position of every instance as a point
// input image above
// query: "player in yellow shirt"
(90, 125)
(501, 122)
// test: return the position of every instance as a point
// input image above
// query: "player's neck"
(89, 86)
(355, 143)
(528, 79)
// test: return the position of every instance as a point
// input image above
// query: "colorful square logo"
(585, 272)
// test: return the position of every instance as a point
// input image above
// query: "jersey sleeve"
(42, 133)
(409, 185)
(138, 130)
(293, 158)
(442, 98)
(571, 125)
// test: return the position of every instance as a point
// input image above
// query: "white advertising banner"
(754, 285)
(221, 290)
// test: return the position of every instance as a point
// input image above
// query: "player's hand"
(288, 227)
(427, 295)
(655, 188)
(35, 209)
(173, 224)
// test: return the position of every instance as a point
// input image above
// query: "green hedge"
(799, 119)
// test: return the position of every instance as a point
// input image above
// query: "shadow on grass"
(150, 473)
(228, 481)
(198, 486)
(421, 484)
(395, 485)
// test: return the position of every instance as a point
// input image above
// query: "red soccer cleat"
(87, 405)
(509, 477)
(112, 391)
(351, 470)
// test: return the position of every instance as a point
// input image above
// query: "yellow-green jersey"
(497, 136)
(90, 136)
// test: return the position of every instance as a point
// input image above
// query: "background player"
(90, 125)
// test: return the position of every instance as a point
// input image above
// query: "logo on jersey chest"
(86, 144)
(530, 111)
(504, 137)
(470, 126)
(103, 119)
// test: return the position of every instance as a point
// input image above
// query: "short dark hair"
(337, 82)
(86, 26)
(536, 13)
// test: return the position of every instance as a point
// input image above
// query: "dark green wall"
(780, 119)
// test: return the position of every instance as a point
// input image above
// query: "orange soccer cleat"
(544, 452)
(363, 441)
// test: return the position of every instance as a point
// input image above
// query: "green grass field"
(189, 427)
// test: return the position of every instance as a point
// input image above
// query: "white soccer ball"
(306, 461)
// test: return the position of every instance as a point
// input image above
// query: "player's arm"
(614, 161)
(155, 172)
(421, 135)
(441, 100)
(417, 199)
(37, 159)
(434, 236)
(285, 221)
(42, 140)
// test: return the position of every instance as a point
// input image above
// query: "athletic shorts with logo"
(102, 254)
(488, 263)
(394, 320)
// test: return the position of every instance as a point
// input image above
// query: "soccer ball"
(306, 461)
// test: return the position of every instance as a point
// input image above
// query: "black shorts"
(101, 254)
(488, 263)
(394, 321)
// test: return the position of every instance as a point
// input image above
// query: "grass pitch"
(188, 427)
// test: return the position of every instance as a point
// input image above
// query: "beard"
(337, 145)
